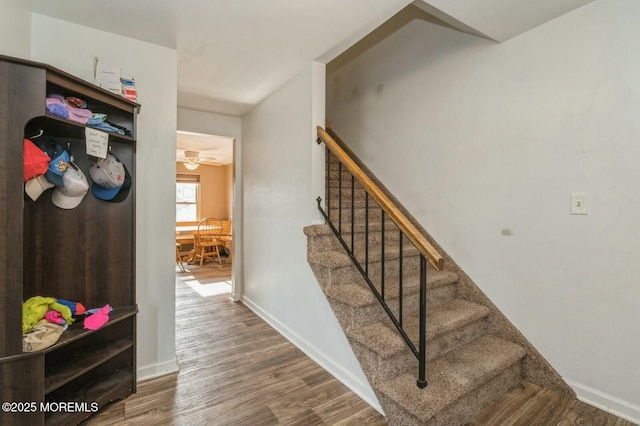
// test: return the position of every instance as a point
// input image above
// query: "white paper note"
(97, 142)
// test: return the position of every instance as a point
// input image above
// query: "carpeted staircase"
(474, 354)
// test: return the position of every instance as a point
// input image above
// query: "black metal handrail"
(363, 264)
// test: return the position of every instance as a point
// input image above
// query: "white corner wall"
(15, 29)
(484, 142)
(72, 48)
(279, 153)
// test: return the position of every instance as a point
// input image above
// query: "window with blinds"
(187, 198)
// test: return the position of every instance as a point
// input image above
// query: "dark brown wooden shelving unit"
(85, 254)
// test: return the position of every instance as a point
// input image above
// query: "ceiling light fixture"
(192, 160)
(191, 166)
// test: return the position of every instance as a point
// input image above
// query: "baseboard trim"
(336, 370)
(616, 406)
(157, 370)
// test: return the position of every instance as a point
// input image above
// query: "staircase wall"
(278, 201)
(536, 369)
(483, 143)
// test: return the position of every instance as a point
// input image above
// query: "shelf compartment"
(78, 364)
(76, 332)
(59, 127)
(70, 85)
(102, 390)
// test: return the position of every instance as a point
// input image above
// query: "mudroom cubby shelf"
(101, 390)
(59, 127)
(85, 254)
(87, 349)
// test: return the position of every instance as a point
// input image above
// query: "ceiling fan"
(192, 160)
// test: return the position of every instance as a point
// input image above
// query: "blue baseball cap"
(59, 160)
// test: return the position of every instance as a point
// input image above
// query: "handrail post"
(422, 381)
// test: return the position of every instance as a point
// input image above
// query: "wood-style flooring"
(531, 405)
(236, 370)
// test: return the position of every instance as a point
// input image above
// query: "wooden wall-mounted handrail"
(400, 219)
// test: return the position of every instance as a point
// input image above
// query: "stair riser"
(350, 316)
(346, 178)
(410, 306)
(349, 274)
(327, 242)
(462, 410)
(358, 194)
(378, 369)
(322, 274)
(374, 227)
(405, 362)
(445, 343)
(359, 213)
(334, 170)
(410, 255)
(334, 173)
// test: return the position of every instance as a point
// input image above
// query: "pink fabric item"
(97, 320)
(54, 317)
(80, 115)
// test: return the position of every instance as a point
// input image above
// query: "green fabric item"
(34, 308)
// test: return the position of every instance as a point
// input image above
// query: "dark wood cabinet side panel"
(22, 91)
(22, 382)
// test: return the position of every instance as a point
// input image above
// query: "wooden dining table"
(185, 235)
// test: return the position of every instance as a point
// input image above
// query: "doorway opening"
(204, 190)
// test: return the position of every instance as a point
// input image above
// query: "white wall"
(191, 120)
(279, 151)
(475, 138)
(72, 48)
(15, 29)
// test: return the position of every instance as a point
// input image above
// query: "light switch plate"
(579, 204)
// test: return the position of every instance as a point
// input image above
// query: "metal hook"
(71, 159)
(40, 133)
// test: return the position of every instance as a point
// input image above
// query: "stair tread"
(375, 225)
(386, 341)
(452, 376)
(357, 204)
(359, 295)
(338, 258)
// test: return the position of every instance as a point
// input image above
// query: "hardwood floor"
(532, 405)
(236, 370)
